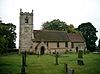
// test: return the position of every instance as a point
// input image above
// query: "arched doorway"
(42, 50)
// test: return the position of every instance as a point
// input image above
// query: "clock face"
(26, 29)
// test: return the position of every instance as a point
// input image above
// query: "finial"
(32, 10)
(20, 10)
(0, 20)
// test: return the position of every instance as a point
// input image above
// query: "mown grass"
(45, 64)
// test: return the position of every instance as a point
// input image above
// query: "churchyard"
(46, 64)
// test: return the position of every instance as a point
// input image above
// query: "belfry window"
(26, 19)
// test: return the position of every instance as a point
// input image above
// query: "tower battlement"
(26, 13)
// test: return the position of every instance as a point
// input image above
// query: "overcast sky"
(70, 11)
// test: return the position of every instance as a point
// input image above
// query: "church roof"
(52, 35)
(48, 35)
(75, 37)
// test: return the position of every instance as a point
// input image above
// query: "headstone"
(23, 70)
(70, 71)
(23, 62)
(80, 58)
(66, 67)
(80, 62)
(56, 57)
(25, 58)
(84, 51)
(38, 54)
(80, 54)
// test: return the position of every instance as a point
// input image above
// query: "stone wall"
(80, 46)
(61, 44)
(52, 46)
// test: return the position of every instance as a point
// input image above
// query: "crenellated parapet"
(26, 13)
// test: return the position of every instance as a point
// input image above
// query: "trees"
(71, 29)
(7, 36)
(89, 33)
(55, 25)
(99, 44)
(58, 25)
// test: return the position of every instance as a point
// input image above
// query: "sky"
(70, 11)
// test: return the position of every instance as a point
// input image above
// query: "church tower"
(26, 31)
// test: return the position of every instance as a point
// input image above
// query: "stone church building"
(46, 41)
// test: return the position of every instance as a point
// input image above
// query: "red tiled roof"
(75, 37)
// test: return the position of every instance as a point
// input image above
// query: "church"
(46, 41)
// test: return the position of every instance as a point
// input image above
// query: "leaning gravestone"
(80, 58)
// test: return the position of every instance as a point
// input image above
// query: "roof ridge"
(51, 30)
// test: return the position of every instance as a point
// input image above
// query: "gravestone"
(23, 62)
(23, 70)
(70, 71)
(80, 62)
(66, 67)
(38, 54)
(80, 54)
(80, 58)
(56, 57)
(25, 58)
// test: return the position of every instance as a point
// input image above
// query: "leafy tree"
(71, 29)
(89, 33)
(55, 25)
(7, 36)
(99, 44)
(58, 25)
(3, 45)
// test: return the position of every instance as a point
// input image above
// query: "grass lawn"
(45, 64)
